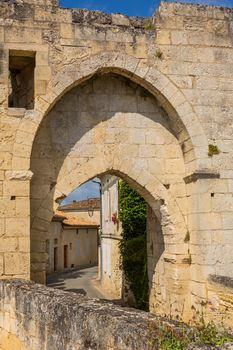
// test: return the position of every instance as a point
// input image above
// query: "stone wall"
(112, 122)
(33, 317)
(180, 62)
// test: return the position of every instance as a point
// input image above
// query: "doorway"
(65, 256)
(55, 258)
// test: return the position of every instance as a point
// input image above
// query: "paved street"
(82, 281)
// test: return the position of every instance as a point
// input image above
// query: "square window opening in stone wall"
(21, 79)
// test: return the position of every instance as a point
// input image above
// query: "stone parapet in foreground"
(35, 317)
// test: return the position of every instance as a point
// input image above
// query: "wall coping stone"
(201, 175)
(223, 280)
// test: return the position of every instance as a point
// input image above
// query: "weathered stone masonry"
(139, 98)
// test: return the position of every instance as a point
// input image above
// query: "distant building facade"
(72, 240)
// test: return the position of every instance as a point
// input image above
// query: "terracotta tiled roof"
(58, 217)
(93, 203)
(69, 220)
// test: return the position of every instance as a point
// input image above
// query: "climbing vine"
(133, 246)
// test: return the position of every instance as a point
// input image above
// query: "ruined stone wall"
(34, 317)
(183, 58)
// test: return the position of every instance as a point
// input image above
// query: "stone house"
(72, 240)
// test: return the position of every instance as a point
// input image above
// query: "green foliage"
(180, 337)
(132, 211)
(149, 25)
(209, 334)
(133, 246)
(159, 54)
(212, 150)
(172, 337)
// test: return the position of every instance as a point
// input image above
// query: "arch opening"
(110, 125)
(105, 241)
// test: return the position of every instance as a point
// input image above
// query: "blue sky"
(132, 7)
(129, 7)
(88, 190)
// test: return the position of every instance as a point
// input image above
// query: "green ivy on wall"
(133, 247)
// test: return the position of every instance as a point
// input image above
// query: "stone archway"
(184, 118)
(109, 124)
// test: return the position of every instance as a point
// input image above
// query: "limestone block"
(88, 33)
(156, 166)
(200, 273)
(16, 263)
(155, 137)
(1, 264)
(175, 166)
(222, 202)
(24, 138)
(200, 203)
(147, 151)
(20, 163)
(8, 244)
(117, 35)
(22, 35)
(179, 37)
(182, 82)
(45, 214)
(163, 37)
(43, 73)
(37, 245)
(18, 175)
(41, 87)
(40, 224)
(5, 160)
(199, 289)
(227, 220)
(2, 227)
(204, 221)
(21, 150)
(137, 136)
(7, 208)
(16, 188)
(67, 31)
(120, 20)
(42, 58)
(201, 237)
(24, 245)
(39, 257)
(30, 122)
(17, 227)
(22, 209)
